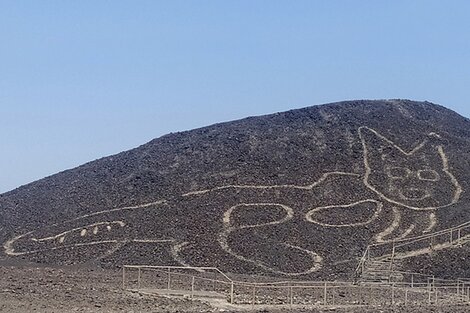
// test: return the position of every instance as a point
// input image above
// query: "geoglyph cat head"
(419, 179)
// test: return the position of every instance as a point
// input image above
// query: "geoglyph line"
(390, 229)
(368, 170)
(307, 187)
(456, 183)
(378, 209)
(152, 240)
(437, 247)
(405, 233)
(134, 207)
(316, 259)
(391, 143)
(432, 223)
(289, 214)
(120, 223)
(10, 251)
(227, 222)
(176, 254)
(228, 229)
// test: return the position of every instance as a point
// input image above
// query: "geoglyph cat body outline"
(228, 225)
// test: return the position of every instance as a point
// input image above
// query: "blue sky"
(83, 79)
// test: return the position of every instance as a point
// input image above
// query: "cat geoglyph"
(395, 197)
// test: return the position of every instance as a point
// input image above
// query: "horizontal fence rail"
(390, 252)
(393, 286)
(209, 282)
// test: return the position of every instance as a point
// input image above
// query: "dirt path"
(26, 288)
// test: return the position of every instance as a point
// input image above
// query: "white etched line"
(176, 254)
(389, 230)
(307, 187)
(289, 214)
(378, 209)
(368, 170)
(228, 229)
(432, 223)
(152, 240)
(406, 233)
(82, 229)
(456, 183)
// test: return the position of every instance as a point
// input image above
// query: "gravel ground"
(34, 288)
(28, 288)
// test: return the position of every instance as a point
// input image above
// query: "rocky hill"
(298, 194)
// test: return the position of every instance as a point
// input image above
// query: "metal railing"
(209, 282)
(402, 248)
(411, 288)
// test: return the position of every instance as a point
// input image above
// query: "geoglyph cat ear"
(436, 139)
(376, 145)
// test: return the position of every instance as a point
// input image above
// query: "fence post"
(291, 296)
(254, 297)
(412, 280)
(123, 277)
(391, 263)
(325, 295)
(192, 288)
(231, 293)
(215, 281)
(169, 278)
(406, 296)
(138, 278)
(429, 291)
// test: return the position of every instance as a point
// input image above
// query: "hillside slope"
(299, 193)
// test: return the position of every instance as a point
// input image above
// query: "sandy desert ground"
(27, 287)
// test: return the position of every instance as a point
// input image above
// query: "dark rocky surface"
(445, 264)
(299, 193)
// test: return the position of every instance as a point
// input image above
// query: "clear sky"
(83, 79)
